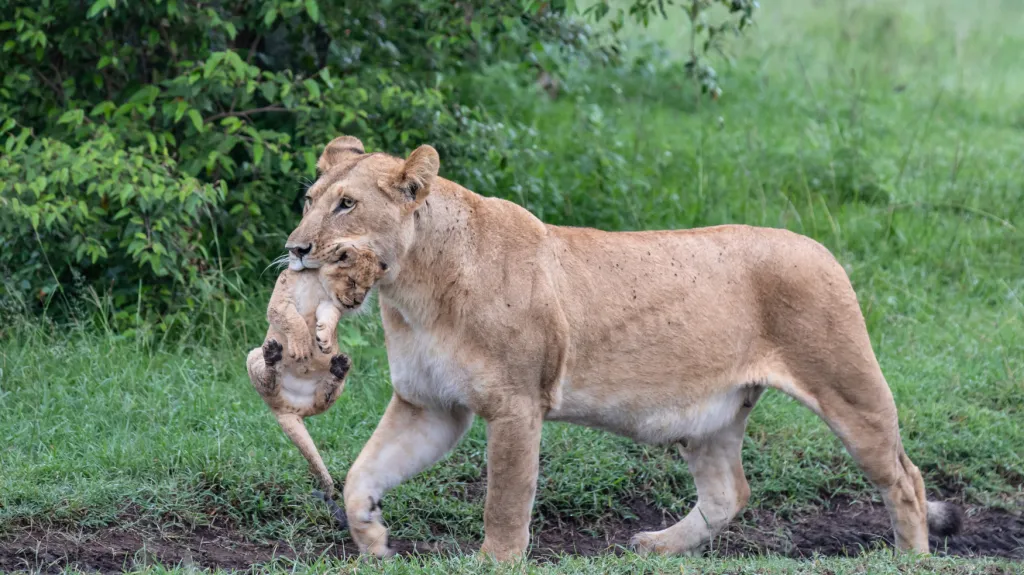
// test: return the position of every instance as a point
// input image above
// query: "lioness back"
(689, 314)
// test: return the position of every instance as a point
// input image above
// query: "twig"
(252, 49)
(56, 89)
(246, 113)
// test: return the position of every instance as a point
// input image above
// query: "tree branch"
(245, 113)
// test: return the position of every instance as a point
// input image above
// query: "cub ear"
(412, 181)
(340, 149)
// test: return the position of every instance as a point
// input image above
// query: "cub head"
(350, 275)
(361, 200)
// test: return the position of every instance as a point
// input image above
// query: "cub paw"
(322, 340)
(272, 352)
(336, 511)
(299, 351)
(340, 365)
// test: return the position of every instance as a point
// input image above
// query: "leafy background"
(153, 155)
(155, 150)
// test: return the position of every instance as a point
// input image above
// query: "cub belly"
(298, 390)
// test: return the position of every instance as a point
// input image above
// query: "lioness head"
(361, 200)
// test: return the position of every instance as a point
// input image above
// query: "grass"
(875, 563)
(890, 131)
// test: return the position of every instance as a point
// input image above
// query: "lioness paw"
(643, 544)
(366, 527)
(659, 542)
(272, 352)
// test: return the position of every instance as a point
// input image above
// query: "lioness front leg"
(407, 440)
(513, 452)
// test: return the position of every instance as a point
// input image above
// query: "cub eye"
(345, 205)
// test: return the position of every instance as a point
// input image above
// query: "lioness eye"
(345, 205)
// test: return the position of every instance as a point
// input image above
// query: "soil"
(841, 528)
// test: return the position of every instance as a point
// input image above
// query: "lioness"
(307, 305)
(664, 336)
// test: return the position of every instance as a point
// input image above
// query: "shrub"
(146, 144)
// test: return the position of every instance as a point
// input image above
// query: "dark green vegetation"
(890, 131)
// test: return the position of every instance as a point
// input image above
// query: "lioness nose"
(299, 250)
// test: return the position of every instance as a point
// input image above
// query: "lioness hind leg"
(722, 489)
(859, 408)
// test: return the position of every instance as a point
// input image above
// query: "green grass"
(874, 563)
(890, 131)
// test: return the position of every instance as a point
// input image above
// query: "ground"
(890, 131)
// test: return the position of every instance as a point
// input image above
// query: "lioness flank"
(662, 336)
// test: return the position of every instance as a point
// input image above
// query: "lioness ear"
(338, 150)
(412, 181)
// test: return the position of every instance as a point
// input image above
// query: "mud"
(843, 529)
(839, 529)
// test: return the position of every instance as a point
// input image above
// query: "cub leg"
(407, 440)
(261, 365)
(722, 489)
(329, 387)
(295, 429)
(327, 317)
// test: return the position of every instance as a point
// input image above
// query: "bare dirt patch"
(113, 550)
(840, 529)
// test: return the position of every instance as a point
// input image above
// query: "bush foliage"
(147, 144)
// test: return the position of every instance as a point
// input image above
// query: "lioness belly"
(656, 420)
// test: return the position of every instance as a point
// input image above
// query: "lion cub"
(296, 371)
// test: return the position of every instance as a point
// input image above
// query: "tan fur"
(666, 337)
(296, 371)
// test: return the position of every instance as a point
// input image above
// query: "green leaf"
(269, 90)
(103, 108)
(211, 63)
(314, 89)
(313, 10)
(269, 17)
(197, 120)
(180, 111)
(325, 75)
(310, 158)
(72, 117)
(257, 153)
(97, 7)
